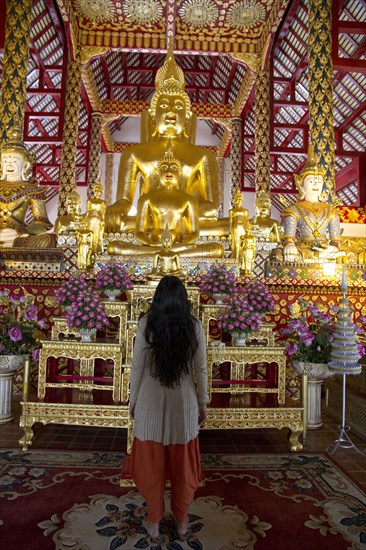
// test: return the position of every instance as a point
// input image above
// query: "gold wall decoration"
(94, 152)
(108, 178)
(15, 67)
(246, 14)
(143, 11)
(262, 149)
(321, 120)
(235, 156)
(198, 13)
(96, 10)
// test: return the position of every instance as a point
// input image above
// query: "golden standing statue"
(94, 217)
(169, 119)
(19, 194)
(238, 216)
(311, 227)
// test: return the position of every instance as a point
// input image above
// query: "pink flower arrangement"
(258, 296)
(238, 316)
(112, 276)
(68, 293)
(20, 325)
(87, 312)
(309, 334)
(218, 280)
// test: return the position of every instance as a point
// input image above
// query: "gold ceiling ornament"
(245, 14)
(96, 10)
(198, 13)
(143, 11)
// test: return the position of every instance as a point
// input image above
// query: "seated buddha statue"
(94, 217)
(166, 262)
(169, 118)
(263, 225)
(71, 221)
(167, 208)
(311, 227)
(21, 194)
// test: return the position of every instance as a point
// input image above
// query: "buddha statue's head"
(16, 160)
(170, 170)
(310, 181)
(170, 108)
(98, 189)
(238, 199)
(263, 204)
(73, 203)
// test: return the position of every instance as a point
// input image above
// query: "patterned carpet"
(73, 500)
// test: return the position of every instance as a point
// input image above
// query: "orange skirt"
(154, 463)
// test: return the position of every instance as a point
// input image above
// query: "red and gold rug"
(73, 501)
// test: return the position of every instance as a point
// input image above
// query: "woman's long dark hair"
(170, 331)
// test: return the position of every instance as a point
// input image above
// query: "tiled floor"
(218, 441)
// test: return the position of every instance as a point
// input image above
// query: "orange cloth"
(153, 463)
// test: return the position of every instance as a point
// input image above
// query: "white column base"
(314, 404)
(6, 395)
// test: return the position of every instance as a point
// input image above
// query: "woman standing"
(168, 397)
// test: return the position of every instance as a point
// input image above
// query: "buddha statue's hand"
(115, 217)
(290, 253)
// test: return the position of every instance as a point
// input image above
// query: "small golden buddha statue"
(311, 227)
(169, 118)
(85, 237)
(247, 252)
(70, 222)
(166, 262)
(19, 194)
(238, 216)
(94, 217)
(263, 225)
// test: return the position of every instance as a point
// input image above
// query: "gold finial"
(16, 145)
(170, 75)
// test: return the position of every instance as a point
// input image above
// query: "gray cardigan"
(167, 415)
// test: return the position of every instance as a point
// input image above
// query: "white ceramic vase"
(87, 334)
(112, 293)
(239, 339)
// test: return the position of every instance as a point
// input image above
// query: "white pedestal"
(6, 394)
(314, 404)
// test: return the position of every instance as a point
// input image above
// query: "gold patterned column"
(94, 152)
(108, 178)
(321, 120)
(70, 133)
(15, 67)
(262, 156)
(221, 177)
(235, 156)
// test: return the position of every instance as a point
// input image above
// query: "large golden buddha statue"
(20, 194)
(311, 227)
(167, 209)
(169, 119)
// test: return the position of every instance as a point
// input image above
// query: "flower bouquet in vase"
(218, 282)
(69, 291)
(239, 319)
(113, 279)
(87, 315)
(261, 299)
